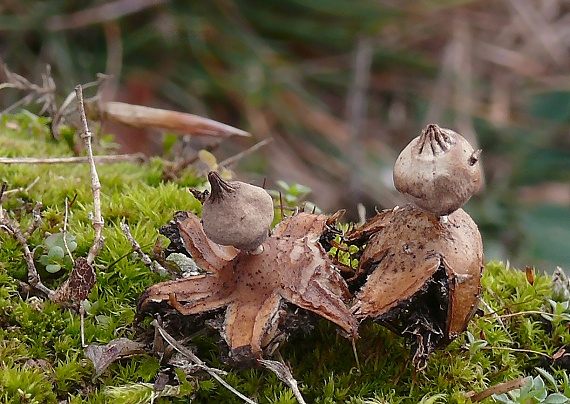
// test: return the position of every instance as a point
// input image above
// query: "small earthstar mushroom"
(237, 214)
(254, 301)
(438, 171)
(423, 277)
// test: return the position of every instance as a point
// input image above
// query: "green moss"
(40, 349)
(23, 385)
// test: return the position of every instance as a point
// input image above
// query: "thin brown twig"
(44, 93)
(107, 159)
(284, 374)
(22, 189)
(500, 388)
(234, 159)
(59, 116)
(153, 265)
(187, 353)
(522, 313)
(3, 189)
(37, 220)
(355, 352)
(281, 207)
(14, 230)
(64, 231)
(98, 14)
(504, 348)
(81, 308)
(97, 220)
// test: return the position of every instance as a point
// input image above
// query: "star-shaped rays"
(253, 290)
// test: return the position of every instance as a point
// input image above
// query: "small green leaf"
(209, 159)
(55, 252)
(44, 260)
(67, 133)
(433, 399)
(538, 383)
(474, 344)
(556, 398)
(67, 262)
(282, 184)
(53, 268)
(547, 317)
(53, 240)
(71, 243)
(502, 398)
(168, 141)
(547, 376)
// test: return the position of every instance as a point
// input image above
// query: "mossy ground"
(42, 360)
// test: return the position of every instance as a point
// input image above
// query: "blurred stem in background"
(341, 86)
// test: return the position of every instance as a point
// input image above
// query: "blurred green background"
(341, 86)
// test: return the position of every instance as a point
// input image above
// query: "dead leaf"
(529, 275)
(103, 355)
(139, 116)
(77, 287)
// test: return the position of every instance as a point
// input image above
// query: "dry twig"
(234, 159)
(21, 189)
(96, 220)
(137, 157)
(62, 112)
(14, 230)
(44, 93)
(64, 231)
(153, 265)
(98, 14)
(497, 389)
(37, 220)
(520, 350)
(188, 354)
(283, 373)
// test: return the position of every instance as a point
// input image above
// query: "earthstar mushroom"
(438, 171)
(423, 276)
(255, 301)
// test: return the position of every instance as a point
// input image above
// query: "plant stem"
(97, 220)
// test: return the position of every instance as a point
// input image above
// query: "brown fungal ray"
(209, 256)
(423, 275)
(292, 268)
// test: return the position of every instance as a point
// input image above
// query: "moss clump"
(42, 361)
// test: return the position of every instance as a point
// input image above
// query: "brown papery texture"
(423, 275)
(438, 171)
(257, 293)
